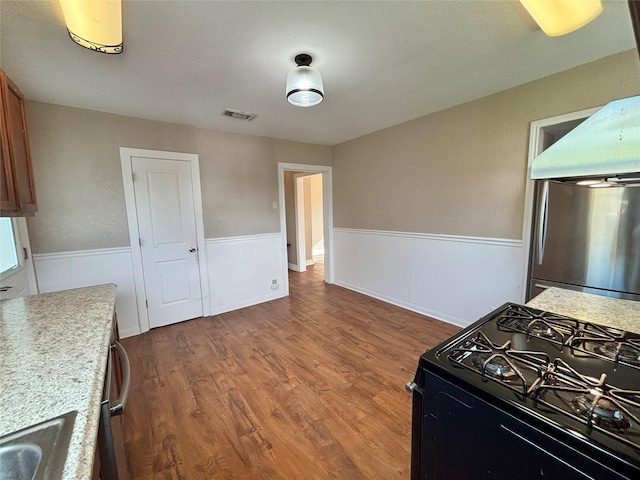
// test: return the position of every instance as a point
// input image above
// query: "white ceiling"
(382, 63)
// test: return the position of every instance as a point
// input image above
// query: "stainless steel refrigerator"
(586, 239)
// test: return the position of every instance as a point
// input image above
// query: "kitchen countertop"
(53, 350)
(612, 312)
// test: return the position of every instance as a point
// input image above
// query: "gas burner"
(497, 367)
(546, 325)
(541, 329)
(591, 401)
(622, 351)
(605, 413)
(517, 369)
(608, 343)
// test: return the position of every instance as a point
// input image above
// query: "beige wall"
(462, 171)
(76, 161)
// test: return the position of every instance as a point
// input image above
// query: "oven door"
(463, 436)
(114, 398)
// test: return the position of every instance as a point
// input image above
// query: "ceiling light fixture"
(559, 17)
(304, 83)
(94, 24)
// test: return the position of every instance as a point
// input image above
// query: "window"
(8, 252)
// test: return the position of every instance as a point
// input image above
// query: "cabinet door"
(8, 198)
(13, 106)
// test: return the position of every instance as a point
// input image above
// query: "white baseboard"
(452, 278)
(460, 322)
(294, 267)
(128, 332)
(310, 261)
(246, 303)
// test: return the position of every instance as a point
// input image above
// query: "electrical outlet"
(274, 205)
(274, 284)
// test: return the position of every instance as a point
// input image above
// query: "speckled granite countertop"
(612, 312)
(53, 350)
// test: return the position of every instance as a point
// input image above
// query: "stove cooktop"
(579, 377)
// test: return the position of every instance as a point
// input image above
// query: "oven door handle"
(117, 407)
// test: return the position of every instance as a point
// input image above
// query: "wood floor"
(306, 387)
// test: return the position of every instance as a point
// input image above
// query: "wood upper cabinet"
(17, 192)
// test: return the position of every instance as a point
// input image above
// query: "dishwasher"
(111, 464)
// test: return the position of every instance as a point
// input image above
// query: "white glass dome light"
(304, 83)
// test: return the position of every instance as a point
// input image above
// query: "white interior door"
(17, 276)
(168, 240)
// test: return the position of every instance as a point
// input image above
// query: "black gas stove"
(524, 393)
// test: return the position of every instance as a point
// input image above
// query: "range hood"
(606, 146)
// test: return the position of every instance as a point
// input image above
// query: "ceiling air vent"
(228, 112)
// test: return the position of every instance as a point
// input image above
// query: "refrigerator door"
(589, 237)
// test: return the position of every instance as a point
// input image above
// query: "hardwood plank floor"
(306, 387)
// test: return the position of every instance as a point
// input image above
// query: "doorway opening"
(306, 218)
(304, 214)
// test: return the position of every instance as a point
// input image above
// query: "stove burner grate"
(601, 410)
(621, 351)
(608, 343)
(549, 326)
(518, 370)
(593, 402)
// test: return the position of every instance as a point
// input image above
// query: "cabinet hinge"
(147, 303)
(26, 254)
(139, 241)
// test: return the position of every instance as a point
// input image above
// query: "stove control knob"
(410, 386)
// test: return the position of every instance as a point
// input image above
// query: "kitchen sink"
(37, 452)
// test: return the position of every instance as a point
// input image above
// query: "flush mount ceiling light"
(94, 24)
(559, 17)
(304, 83)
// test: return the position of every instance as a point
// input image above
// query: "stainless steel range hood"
(604, 146)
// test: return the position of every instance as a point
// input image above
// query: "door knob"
(192, 249)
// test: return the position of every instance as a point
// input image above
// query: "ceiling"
(382, 63)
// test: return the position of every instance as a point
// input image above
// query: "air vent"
(228, 112)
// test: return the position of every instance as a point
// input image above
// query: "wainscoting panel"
(455, 279)
(242, 271)
(61, 271)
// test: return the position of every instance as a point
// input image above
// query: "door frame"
(327, 216)
(301, 238)
(536, 146)
(126, 154)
